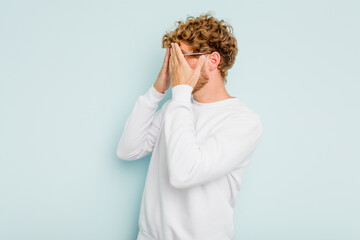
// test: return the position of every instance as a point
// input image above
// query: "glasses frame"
(191, 54)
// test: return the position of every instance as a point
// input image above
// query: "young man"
(201, 140)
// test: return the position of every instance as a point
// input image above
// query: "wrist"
(158, 89)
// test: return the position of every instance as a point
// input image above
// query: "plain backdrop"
(71, 72)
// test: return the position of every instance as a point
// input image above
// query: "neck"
(214, 90)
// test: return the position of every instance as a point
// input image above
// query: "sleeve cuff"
(155, 92)
(153, 97)
(182, 93)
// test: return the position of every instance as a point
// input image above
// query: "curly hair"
(206, 34)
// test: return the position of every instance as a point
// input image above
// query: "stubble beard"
(203, 79)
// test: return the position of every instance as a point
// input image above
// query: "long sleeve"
(191, 163)
(142, 127)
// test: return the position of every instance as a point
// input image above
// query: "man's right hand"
(163, 80)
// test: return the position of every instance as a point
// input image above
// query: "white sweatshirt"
(199, 153)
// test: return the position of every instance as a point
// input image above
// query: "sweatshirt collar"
(215, 104)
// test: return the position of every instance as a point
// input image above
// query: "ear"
(214, 59)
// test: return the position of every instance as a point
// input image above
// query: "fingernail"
(202, 57)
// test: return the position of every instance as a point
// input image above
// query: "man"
(201, 140)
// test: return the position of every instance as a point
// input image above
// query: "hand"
(163, 80)
(180, 71)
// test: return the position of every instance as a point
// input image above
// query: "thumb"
(196, 72)
(200, 63)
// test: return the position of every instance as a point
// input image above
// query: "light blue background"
(71, 71)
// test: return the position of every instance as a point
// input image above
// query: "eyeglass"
(190, 54)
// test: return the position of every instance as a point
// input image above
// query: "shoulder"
(241, 114)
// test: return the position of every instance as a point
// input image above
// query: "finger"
(172, 50)
(171, 66)
(196, 73)
(166, 58)
(173, 54)
(167, 55)
(200, 63)
(174, 62)
(171, 61)
(179, 55)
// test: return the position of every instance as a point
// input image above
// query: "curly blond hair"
(206, 34)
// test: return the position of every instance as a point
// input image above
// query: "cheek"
(192, 63)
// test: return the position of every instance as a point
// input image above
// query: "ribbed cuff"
(182, 93)
(153, 97)
(159, 94)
